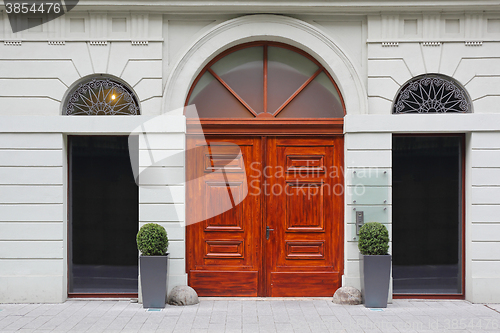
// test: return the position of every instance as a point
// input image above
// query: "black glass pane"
(104, 216)
(427, 182)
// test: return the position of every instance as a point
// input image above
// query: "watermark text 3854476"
(27, 14)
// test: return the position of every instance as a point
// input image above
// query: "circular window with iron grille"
(432, 93)
(101, 96)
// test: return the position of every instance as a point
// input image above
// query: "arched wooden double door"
(264, 198)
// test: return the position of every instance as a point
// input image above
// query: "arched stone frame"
(101, 76)
(466, 105)
(272, 28)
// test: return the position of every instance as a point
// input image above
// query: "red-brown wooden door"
(223, 250)
(294, 187)
(304, 212)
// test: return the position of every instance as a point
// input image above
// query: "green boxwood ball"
(373, 239)
(152, 240)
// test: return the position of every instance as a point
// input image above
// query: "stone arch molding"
(265, 27)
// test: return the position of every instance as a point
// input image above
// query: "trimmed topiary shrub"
(373, 239)
(152, 240)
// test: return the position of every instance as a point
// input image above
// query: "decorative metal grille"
(432, 94)
(102, 97)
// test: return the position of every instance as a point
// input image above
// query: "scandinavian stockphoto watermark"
(154, 168)
(160, 167)
(27, 14)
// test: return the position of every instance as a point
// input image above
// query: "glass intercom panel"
(104, 215)
(427, 214)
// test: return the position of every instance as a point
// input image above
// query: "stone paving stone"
(216, 328)
(233, 327)
(130, 330)
(52, 323)
(149, 328)
(231, 330)
(249, 309)
(199, 330)
(253, 319)
(266, 320)
(263, 308)
(201, 322)
(183, 324)
(173, 311)
(167, 325)
(318, 326)
(322, 308)
(218, 317)
(16, 323)
(234, 308)
(54, 309)
(250, 328)
(234, 319)
(284, 327)
(118, 323)
(250, 315)
(37, 322)
(220, 306)
(280, 315)
(27, 308)
(37, 311)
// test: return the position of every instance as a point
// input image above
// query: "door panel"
(224, 283)
(291, 186)
(305, 215)
(223, 232)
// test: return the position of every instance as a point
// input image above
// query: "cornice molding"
(290, 6)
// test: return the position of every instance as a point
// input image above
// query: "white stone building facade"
(370, 48)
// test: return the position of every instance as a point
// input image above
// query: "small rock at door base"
(347, 295)
(182, 295)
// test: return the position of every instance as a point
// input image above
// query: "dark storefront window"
(104, 214)
(427, 214)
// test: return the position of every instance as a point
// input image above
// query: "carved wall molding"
(93, 26)
(12, 43)
(390, 44)
(98, 43)
(431, 43)
(140, 42)
(56, 42)
(473, 43)
(433, 26)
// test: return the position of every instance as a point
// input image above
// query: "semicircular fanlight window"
(432, 93)
(265, 80)
(101, 96)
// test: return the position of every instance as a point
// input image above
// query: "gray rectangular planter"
(153, 270)
(375, 277)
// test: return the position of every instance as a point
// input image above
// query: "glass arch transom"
(101, 96)
(265, 79)
(432, 94)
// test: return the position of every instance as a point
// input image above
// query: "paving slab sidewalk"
(251, 315)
